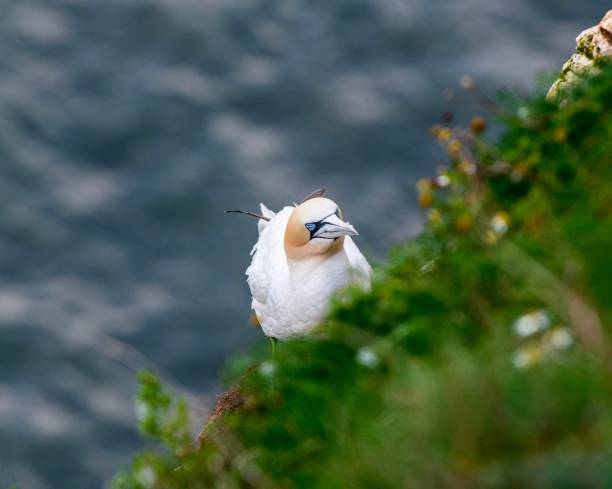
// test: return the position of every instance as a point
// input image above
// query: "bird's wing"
(359, 264)
(269, 261)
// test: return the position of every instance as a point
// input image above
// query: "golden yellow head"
(315, 228)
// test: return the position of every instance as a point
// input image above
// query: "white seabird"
(304, 254)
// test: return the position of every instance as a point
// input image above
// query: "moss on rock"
(592, 46)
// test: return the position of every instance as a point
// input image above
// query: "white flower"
(500, 222)
(442, 181)
(146, 476)
(560, 338)
(531, 323)
(466, 82)
(367, 358)
(267, 369)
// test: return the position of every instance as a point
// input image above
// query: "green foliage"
(481, 357)
(161, 416)
(165, 419)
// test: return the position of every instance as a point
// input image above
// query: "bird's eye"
(311, 226)
(338, 213)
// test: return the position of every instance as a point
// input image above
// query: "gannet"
(303, 255)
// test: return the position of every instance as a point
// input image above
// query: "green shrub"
(481, 357)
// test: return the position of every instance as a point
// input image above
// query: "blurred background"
(127, 127)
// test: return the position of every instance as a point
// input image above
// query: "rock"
(606, 25)
(592, 45)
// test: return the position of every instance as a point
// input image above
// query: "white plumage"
(303, 255)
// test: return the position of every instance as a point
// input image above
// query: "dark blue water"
(126, 127)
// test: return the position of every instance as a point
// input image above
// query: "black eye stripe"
(313, 227)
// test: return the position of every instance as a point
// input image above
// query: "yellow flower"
(478, 125)
(467, 167)
(490, 237)
(424, 184)
(464, 223)
(454, 147)
(434, 216)
(528, 356)
(560, 134)
(444, 134)
(425, 199)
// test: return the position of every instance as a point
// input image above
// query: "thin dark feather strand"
(316, 193)
(249, 213)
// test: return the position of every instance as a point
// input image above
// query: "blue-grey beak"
(333, 227)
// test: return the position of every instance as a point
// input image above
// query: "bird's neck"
(304, 270)
(303, 253)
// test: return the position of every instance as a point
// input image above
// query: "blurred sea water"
(127, 127)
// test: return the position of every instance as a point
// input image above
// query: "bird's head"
(316, 227)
